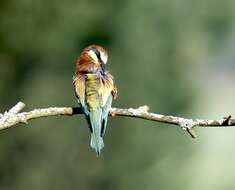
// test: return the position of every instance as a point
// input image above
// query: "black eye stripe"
(98, 54)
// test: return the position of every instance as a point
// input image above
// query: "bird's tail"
(97, 143)
(96, 140)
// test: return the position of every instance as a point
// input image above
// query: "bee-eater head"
(92, 59)
(97, 54)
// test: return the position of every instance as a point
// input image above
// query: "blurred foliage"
(155, 47)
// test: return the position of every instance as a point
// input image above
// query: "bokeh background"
(175, 56)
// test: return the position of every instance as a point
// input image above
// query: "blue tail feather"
(96, 140)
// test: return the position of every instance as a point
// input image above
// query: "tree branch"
(13, 117)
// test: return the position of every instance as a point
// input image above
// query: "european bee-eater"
(94, 89)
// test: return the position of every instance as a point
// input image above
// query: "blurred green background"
(175, 56)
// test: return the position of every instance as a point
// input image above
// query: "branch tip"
(226, 120)
(144, 108)
(17, 108)
(187, 125)
(192, 133)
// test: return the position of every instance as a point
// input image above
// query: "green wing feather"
(105, 114)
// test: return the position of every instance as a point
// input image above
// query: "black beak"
(103, 66)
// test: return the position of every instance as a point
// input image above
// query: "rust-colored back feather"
(85, 63)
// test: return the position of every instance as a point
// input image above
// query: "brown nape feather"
(85, 65)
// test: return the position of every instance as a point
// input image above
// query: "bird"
(94, 89)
